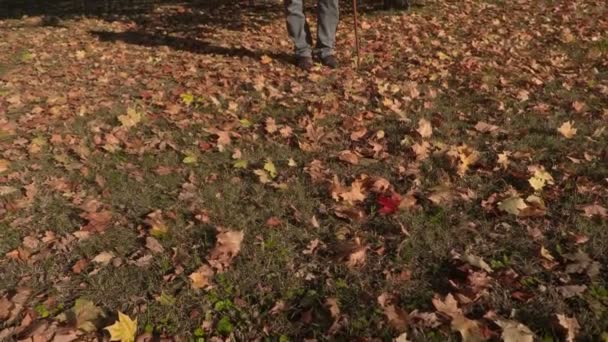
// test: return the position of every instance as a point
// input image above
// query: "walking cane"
(356, 32)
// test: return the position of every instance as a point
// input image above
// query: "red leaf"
(389, 204)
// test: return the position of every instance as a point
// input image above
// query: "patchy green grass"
(85, 181)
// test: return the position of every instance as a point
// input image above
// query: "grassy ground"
(103, 123)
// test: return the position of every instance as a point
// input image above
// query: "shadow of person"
(187, 44)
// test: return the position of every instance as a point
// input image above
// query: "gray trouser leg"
(297, 27)
(328, 15)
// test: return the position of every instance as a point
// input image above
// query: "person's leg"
(298, 29)
(328, 15)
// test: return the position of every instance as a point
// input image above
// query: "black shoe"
(304, 63)
(330, 61)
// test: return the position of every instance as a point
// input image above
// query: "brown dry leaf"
(80, 265)
(19, 300)
(357, 257)
(578, 106)
(332, 306)
(381, 185)
(485, 127)
(397, 318)
(567, 36)
(569, 291)
(421, 150)
(349, 157)
(4, 165)
(201, 278)
(278, 307)
(97, 221)
(567, 129)
(469, 329)
(595, 210)
(468, 156)
(356, 135)
(154, 246)
(581, 263)
(570, 325)
(503, 160)
(424, 128)
(6, 306)
(355, 194)
(513, 331)
(546, 254)
(441, 195)
(271, 125)
(103, 258)
(448, 306)
(227, 247)
(273, 221)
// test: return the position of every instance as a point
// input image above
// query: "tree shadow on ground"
(186, 44)
(194, 27)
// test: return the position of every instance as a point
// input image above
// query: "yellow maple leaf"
(503, 159)
(540, 179)
(123, 330)
(201, 279)
(567, 129)
(130, 119)
(512, 205)
(468, 156)
(272, 170)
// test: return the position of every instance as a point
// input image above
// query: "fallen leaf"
(6, 306)
(401, 338)
(389, 204)
(512, 205)
(201, 278)
(349, 157)
(421, 150)
(355, 194)
(87, 315)
(424, 128)
(578, 106)
(273, 221)
(567, 129)
(271, 125)
(103, 258)
(7, 190)
(4, 165)
(270, 168)
(570, 325)
(546, 254)
(513, 331)
(485, 127)
(477, 262)
(397, 318)
(227, 247)
(80, 265)
(97, 221)
(334, 309)
(503, 159)
(581, 263)
(469, 329)
(123, 330)
(569, 291)
(153, 245)
(131, 119)
(540, 179)
(357, 257)
(595, 210)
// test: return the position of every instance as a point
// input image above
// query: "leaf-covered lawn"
(171, 174)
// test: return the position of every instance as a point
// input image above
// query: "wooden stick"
(356, 32)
